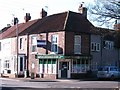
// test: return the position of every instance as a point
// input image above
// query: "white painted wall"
(6, 54)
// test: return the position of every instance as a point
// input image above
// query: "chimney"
(43, 13)
(117, 24)
(27, 17)
(82, 10)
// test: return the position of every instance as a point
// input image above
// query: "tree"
(105, 10)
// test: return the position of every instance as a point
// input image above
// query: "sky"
(17, 8)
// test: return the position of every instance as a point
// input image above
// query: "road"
(16, 84)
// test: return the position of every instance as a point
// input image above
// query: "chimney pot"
(43, 13)
(82, 10)
(27, 17)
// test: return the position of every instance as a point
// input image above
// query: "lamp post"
(16, 24)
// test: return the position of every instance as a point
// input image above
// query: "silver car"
(110, 72)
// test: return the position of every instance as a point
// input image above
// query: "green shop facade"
(60, 66)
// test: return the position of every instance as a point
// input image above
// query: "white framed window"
(6, 64)
(21, 43)
(95, 46)
(34, 43)
(54, 43)
(108, 44)
(77, 44)
(80, 65)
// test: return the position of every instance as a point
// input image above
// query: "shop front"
(60, 66)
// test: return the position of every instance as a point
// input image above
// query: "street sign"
(41, 43)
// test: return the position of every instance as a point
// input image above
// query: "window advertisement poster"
(79, 68)
(54, 68)
(40, 68)
(49, 68)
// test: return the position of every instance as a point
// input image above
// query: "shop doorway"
(64, 69)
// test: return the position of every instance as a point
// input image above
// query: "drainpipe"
(27, 59)
(101, 50)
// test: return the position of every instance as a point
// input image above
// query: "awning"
(54, 56)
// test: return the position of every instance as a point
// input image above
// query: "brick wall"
(69, 43)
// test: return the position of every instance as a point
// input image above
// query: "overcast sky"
(18, 8)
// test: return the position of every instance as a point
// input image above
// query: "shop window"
(49, 61)
(45, 61)
(40, 61)
(49, 66)
(53, 61)
(80, 65)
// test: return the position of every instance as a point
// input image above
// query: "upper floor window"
(95, 46)
(77, 44)
(108, 44)
(7, 64)
(0, 46)
(33, 43)
(21, 43)
(54, 43)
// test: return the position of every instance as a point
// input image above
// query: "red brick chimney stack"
(43, 13)
(27, 17)
(82, 10)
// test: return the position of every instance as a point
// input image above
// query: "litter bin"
(32, 75)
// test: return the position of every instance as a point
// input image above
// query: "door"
(64, 69)
(21, 63)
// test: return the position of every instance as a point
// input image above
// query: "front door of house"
(64, 69)
(21, 63)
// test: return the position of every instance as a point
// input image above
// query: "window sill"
(33, 52)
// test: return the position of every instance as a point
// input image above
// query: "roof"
(66, 21)
(11, 32)
(101, 31)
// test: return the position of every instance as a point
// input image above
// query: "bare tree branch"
(105, 10)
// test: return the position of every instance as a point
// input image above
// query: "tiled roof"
(101, 31)
(11, 32)
(66, 21)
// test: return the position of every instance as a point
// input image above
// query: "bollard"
(32, 75)
(25, 74)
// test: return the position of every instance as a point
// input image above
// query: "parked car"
(110, 72)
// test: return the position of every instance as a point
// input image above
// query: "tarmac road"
(19, 84)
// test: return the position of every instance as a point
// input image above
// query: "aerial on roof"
(65, 21)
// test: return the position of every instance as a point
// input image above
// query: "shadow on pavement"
(18, 88)
(26, 88)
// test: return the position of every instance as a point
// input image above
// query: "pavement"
(51, 80)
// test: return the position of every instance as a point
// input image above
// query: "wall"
(69, 43)
(96, 55)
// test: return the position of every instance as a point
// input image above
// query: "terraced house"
(63, 45)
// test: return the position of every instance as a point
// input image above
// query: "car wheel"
(112, 77)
